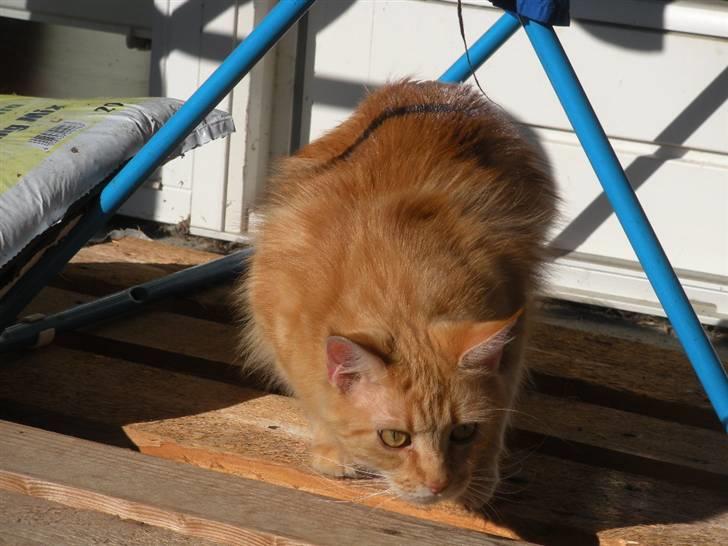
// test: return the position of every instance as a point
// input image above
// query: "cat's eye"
(394, 438)
(464, 433)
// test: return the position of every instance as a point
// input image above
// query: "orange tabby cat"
(391, 283)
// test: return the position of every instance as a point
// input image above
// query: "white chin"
(428, 498)
(424, 499)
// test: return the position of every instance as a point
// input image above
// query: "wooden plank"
(102, 269)
(572, 421)
(596, 368)
(194, 501)
(240, 431)
(205, 339)
(80, 385)
(108, 265)
(151, 254)
(645, 437)
(27, 520)
(530, 497)
(544, 489)
(620, 364)
(588, 447)
(615, 365)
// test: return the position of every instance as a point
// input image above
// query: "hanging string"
(467, 49)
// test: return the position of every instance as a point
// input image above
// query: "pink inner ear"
(339, 352)
(485, 355)
(346, 361)
(484, 344)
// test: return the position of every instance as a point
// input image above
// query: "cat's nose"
(437, 486)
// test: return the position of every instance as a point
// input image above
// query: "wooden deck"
(614, 444)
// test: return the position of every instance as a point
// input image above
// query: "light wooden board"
(31, 521)
(262, 436)
(613, 443)
(196, 502)
(80, 387)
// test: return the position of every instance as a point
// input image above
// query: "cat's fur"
(392, 281)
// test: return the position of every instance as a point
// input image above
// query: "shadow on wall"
(217, 46)
(670, 139)
(641, 169)
(346, 94)
(186, 13)
(652, 15)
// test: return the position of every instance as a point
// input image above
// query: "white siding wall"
(656, 72)
(661, 97)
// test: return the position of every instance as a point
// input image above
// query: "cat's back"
(404, 135)
(414, 151)
(423, 197)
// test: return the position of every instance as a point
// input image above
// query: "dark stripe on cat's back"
(391, 113)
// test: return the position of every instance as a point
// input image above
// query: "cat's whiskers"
(345, 489)
(391, 495)
(523, 455)
(324, 480)
(378, 486)
(328, 481)
(481, 500)
(485, 414)
(503, 486)
(502, 491)
(385, 490)
(364, 497)
(489, 506)
(368, 481)
(510, 470)
(361, 473)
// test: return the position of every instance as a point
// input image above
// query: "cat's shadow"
(559, 492)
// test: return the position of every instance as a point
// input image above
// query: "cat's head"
(429, 421)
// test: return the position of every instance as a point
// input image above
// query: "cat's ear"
(347, 362)
(476, 346)
(482, 344)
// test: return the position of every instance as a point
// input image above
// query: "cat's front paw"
(329, 460)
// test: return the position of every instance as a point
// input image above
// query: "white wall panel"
(656, 72)
(661, 96)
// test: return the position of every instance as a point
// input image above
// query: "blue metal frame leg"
(42, 331)
(627, 207)
(135, 172)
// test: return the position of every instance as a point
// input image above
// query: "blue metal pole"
(482, 49)
(135, 172)
(127, 301)
(627, 207)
